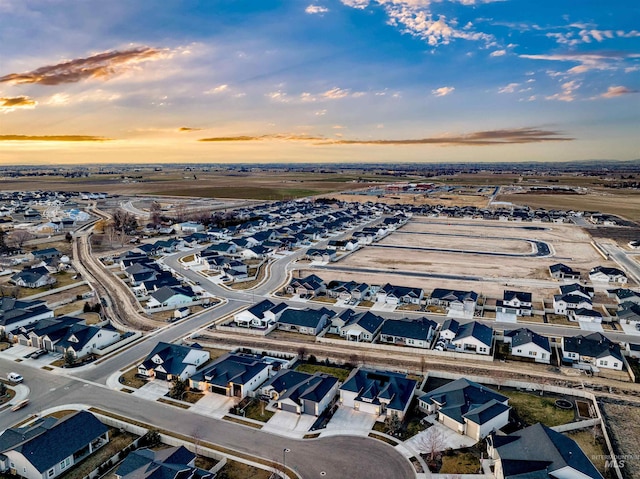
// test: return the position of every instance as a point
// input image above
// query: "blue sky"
(330, 80)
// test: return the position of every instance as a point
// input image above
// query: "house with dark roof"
(324, 255)
(171, 297)
(167, 361)
(47, 253)
(562, 271)
(566, 303)
(357, 325)
(577, 289)
(417, 333)
(585, 315)
(591, 352)
(44, 333)
(171, 463)
(630, 313)
(80, 340)
(539, 452)
(33, 277)
(624, 295)
(467, 408)
(377, 392)
(301, 393)
(609, 275)
(525, 343)
(311, 285)
(348, 290)
(261, 315)
(15, 313)
(48, 447)
(449, 329)
(473, 337)
(513, 305)
(233, 375)
(304, 321)
(459, 304)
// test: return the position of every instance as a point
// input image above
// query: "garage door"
(289, 407)
(218, 390)
(23, 341)
(369, 408)
(161, 375)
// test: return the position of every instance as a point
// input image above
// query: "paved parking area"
(348, 419)
(630, 329)
(284, 422)
(17, 351)
(152, 390)
(214, 405)
(589, 326)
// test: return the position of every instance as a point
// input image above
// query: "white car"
(15, 378)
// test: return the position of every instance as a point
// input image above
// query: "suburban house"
(417, 333)
(578, 290)
(630, 313)
(562, 271)
(609, 275)
(459, 304)
(324, 255)
(189, 227)
(168, 361)
(260, 315)
(586, 315)
(467, 408)
(171, 463)
(311, 285)
(390, 294)
(233, 375)
(33, 278)
(564, 304)
(378, 392)
(44, 333)
(15, 313)
(302, 393)
(140, 272)
(539, 452)
(348, 290)
(449, 329)
(80, 339)
(624, 295)
(48, 447)
(305, 321)
(44, 254)
(592, 352)
(525, 343)
(171, 297)
(357, 326)
(473, 337)
(513, 305)
(632, 349)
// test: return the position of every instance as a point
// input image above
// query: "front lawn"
(131, 379)
(256, 410)
(460, 463)
(533, 408)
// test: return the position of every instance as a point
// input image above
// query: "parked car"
(15, 377)
(20, 405)
(39, 353)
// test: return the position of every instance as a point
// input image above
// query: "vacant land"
(623, 424)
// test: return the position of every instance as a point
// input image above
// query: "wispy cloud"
(52, 138)
(8, 104)
(98, 66)
(479, 138)
(188, 128)
(443, 91)
(498, 53)
(316, 9)
(579, 33)
(217, 90)
(587, 61)
(615, 91)
(510, 88)
(335, 93)
(567, 92)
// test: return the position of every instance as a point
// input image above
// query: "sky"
(161, 81)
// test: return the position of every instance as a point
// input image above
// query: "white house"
(233, 374)
(171, 296)
(609, 275)
(81, 340)
(167, 361)
(525, 343)
(592, 352)
(563, 304)
(473, 337)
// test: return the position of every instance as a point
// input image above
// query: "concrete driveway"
(214, 405)
(589, 326)
(17, 351)
(351, 421)
(152, 390)
(447, 438)
(284, 422)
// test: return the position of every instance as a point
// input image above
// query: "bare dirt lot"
(570, 245)
(623, 422)
(449, 199)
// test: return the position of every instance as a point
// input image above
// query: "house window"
(67, 461)
(615, 365)
(518, 350)
(604, 363)
(62, 466)
(51, 472)
(533, 353)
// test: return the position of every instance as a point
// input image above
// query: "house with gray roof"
(233, 375)
(467, 407)
(416, 333)
(304, 321)
(357, 325)
(562, 271)
(539, 452)
(172, 463)
(302, 393)
(527, 344)
(48, 447)
(513, 305)
(261, 315)
(591, 352)
(80, 340)
(15, 313)
(459, 304)
(624, 295)
(473, 337)
(609, 275)
(167, 361)
(33, 278)
(377, 392)
(171, 297)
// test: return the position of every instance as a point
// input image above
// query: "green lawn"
(340, 373)
(533, 408)
(462, 463)
(255, 410)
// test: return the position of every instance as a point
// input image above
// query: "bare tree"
(431, 442)
(20, 237)
(155, 213)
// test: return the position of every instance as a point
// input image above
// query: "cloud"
(615, 91)
(587, 61)
(579, 33)
(217, 90)
(307, 97)
(8, 104)
(52, 138)
(510, 88)
(335, 93)
(498, 53)
(480, 138)
(567, 93)
(98, 66)
(359, 4)
(188, 128)
(316, 9)
(443, 91)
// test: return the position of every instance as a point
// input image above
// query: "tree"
(150, 439)
(155, 213)
(431, 442)
(302, 351)
(3, 241)
(19, 237)
(3, 389)
(69, 358)
(178, 388)
(68, 237)
(393, 424)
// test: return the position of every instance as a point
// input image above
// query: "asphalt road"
(338, 456)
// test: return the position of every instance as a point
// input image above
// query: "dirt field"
(623, 423)
(570, 243)
(449, 199)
